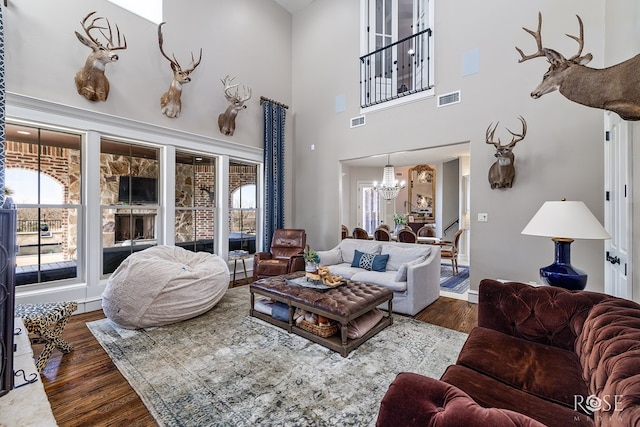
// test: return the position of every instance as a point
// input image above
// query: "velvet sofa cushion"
(491, 393)
(416, 400)
(545, 314)
(609, 351)
(545, 371)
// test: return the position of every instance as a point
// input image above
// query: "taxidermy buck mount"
(503, 171)
(227, 120)
(90, 80)
(616, 88)
(170, 101)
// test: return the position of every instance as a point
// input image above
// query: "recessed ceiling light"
(24, 132)
(198, 159)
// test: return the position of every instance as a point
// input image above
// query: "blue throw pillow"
(380, 263)
(369, 261)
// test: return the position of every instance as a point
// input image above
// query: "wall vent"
(449, 98)
(358, 121)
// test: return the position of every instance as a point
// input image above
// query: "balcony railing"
(396, 70)
(33, 225)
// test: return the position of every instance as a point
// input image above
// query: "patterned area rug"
(450, 283)
(225, 368)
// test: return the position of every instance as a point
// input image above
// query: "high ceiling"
(293, 5)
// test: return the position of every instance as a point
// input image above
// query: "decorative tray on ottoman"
(313, 284)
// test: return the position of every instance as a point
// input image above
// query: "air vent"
(358, 121)
(449, 98)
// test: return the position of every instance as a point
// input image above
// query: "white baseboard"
(473, 296)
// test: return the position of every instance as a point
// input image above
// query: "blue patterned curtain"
(274, 118)
(2, 109)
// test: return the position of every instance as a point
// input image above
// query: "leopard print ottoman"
(37, 319)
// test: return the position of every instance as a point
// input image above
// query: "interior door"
(618, 206)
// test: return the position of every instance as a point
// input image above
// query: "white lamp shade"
(566, 219)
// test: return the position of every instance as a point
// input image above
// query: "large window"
(129, 199)
(43, 175)
(243, 204)
(195, 202)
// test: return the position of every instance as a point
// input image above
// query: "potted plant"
(400, 220)
(311, 259)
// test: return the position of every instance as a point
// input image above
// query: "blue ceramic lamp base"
(561, 273)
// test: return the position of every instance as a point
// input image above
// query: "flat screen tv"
(142, 190)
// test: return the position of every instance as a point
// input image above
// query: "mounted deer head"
(503, 171)
(90, 80)
(615, 88)
(170, 101)
(227, 120)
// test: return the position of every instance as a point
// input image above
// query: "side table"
(239, 256)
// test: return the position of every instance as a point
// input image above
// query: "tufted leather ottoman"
(342, 304)
(38, 319)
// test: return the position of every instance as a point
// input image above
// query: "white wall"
(247, 39)
(560, 157)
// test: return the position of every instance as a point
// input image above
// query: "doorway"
(618, 217)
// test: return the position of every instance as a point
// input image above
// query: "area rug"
(226, 368)
(450, 283)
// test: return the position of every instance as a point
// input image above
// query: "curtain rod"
(263, 99)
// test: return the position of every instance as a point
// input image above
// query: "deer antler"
(490, 134)
(517, 137)
(228, 86)
(536, 35)
(580, 39)
(235, 98)
(174, 61)
(109, 38)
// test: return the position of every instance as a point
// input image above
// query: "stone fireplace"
(134, 227)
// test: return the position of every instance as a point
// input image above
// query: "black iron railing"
(396, 70)
(33, 225)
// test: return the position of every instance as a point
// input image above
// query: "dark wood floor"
(86, 389)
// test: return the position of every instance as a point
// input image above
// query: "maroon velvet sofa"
(539, 356)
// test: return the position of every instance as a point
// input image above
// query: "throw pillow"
(369, 261)
(332, 257)
(401, 275)
(399, 253)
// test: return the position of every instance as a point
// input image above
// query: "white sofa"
(412, 270)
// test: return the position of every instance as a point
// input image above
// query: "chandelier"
(389, 188)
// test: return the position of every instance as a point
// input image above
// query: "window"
(148, 9)
(44, 174)
(195, 202)
(243, 202)
(129, 190)
(396, 51)
(370, 208)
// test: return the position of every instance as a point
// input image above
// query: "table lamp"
(565, 221)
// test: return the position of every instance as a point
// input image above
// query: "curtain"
(2, 109)
(274, 118)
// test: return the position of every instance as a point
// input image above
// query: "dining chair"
(344, 231)
(382, 234)
(406, 235)
(449, 250)
(360, 233)
(426, 231)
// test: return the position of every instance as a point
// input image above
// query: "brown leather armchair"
(286, 255)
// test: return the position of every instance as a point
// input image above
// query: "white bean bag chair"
(162, 285)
